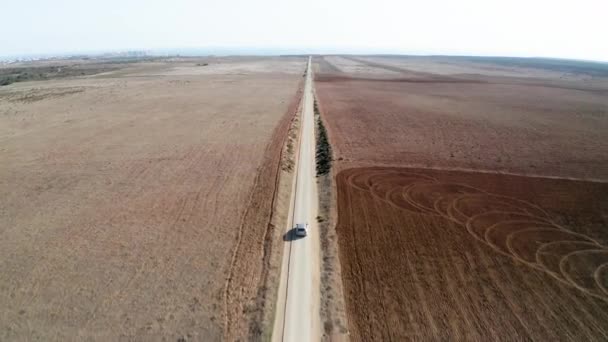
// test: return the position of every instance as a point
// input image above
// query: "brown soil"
(472, 199)
(533, 126)
(429, 254)
(323, 66)
(138, 207)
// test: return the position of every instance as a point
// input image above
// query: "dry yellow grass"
(123, 196)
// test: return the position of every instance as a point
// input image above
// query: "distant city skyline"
(566, 29)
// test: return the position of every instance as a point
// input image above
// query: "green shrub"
(323, 154)
(6, 81)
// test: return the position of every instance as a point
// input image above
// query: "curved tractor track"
(510, 226)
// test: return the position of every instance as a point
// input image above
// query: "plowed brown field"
(462, 255)
(472, 198)
(136, 205)
(534, 126)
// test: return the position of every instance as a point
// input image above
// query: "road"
(297, 316)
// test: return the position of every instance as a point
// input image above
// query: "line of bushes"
(12, 75)
(43, 73)
(6, 80)
(323, 155)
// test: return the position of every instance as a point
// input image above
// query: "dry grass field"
(135, 204)
(472, 197)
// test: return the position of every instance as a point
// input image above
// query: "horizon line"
(206, 51)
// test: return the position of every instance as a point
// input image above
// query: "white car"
(301, 229)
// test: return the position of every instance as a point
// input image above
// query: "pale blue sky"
(569, 29)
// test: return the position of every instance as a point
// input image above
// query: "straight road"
(298, 304)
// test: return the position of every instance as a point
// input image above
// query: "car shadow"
(291, 236)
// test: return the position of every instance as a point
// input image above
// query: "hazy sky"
(555, 28)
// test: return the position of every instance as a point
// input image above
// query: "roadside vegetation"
(323, 155)
(333, 312)
(288, 158)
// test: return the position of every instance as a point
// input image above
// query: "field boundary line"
(267, 157)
